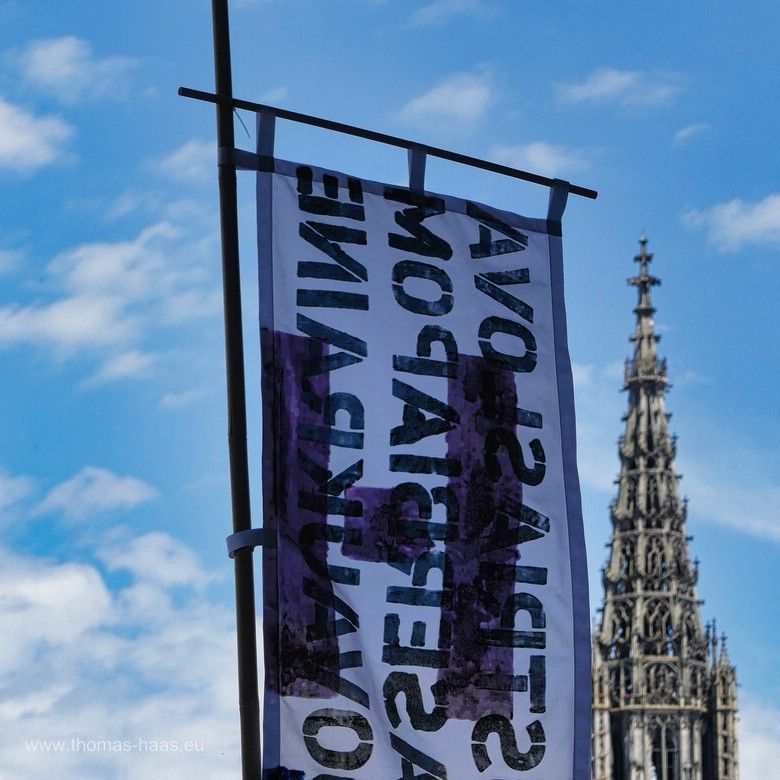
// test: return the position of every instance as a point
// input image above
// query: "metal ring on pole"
(254, 537)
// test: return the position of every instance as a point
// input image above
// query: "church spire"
(655, 671)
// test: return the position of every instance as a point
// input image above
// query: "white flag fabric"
(425, 605)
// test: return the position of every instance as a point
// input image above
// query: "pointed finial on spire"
(714, 644)
(724, 653)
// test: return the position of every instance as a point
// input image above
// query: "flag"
(425, 601)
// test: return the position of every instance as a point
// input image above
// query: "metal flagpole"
(248, 697)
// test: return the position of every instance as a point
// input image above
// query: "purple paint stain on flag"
(301, 516)
(380, 540)
(485, 396)
(375, 540)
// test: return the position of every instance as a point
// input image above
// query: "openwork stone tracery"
(664, 690)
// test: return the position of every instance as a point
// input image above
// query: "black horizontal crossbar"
(383, 138)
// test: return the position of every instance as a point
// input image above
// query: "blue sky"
(115, 592)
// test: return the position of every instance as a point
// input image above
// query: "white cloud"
(759, 741)
(13, 489)
(684, 134)
(628, 88)
(541, 157)
(127, 267)
(718, 493)
(66, 69)
(180, 400)
(28, 142)
(158, 558)
(83, 663)
(735, 224)
(95, 491)
(67, 323)
(442, 11)
(274, 95)
(460, 100)
(132, 201)
(33, 601)
(110, 294)
(192, 163)
(123, 366)
(36, 703)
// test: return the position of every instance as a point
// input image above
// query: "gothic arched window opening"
(658, 629)
(665, 747)
(662, 683)
(627, 552)
(655, 557)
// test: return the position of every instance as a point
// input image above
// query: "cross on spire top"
(644, 258)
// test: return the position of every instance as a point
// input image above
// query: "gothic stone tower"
(664, 690)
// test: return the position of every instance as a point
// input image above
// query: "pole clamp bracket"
(253, 537)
